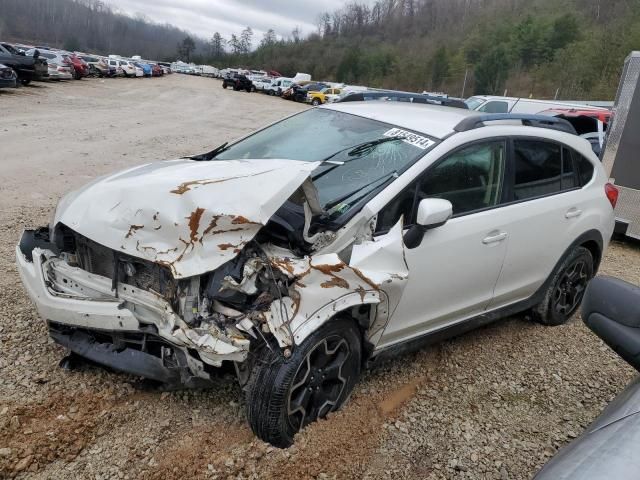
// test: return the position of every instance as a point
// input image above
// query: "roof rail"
(391, 95)
(539, 121)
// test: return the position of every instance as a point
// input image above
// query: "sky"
(204, 17)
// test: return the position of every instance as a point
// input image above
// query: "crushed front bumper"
(134, 331)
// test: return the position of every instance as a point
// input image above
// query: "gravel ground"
(495, 403)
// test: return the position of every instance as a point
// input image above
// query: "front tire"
(284, 395)
(566, 290)
(315, 102)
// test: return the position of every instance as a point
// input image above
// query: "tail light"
(612, 193)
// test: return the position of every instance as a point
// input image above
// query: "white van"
(278, 85)
(495, 104)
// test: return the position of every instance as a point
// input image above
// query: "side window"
(585, 169)
(495, 107)
(538, 169)
(471, 178)
(569, 177)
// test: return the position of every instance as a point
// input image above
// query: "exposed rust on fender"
(329, 269)
(283, 263)
(227, 246)
(212, 224)
(194, 223)
(362, 293)
(240, 220)
(335, 281)
(364, 278)
(132, 230)
(186, 186)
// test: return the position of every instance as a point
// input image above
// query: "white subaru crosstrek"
(328, 239)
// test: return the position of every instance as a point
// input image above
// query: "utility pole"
(464, 84)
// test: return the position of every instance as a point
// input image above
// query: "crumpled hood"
(188, 215)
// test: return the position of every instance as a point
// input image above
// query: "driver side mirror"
(432, 213)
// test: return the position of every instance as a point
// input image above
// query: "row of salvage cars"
(22, 64)
(305, 251)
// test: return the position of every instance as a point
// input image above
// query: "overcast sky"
(204, 17)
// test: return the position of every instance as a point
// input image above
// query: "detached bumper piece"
(136, 353)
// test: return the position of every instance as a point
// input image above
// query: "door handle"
(495, 237)
(573, 213)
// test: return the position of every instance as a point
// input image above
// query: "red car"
(156, 70)
(80, 67)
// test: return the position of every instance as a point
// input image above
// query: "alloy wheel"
(570, 288)
(319, 382)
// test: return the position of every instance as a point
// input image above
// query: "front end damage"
(172, 289)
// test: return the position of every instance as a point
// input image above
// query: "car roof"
(432, 120)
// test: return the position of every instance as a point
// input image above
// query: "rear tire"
(25, 81)
(566, 290)
(224, 85)
(284, 395)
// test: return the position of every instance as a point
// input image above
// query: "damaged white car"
(311, 247)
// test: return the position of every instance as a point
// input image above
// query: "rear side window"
(544, 168)
(585, 168)
(538, 169)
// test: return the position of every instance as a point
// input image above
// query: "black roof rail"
(391, 95)
(539, 121)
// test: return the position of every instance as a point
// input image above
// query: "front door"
(452, 274)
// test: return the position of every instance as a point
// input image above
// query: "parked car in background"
(346, 233)
(27, 67)
(97, 65)
(80, 67)
(156, 70)
(299, 92)
(278, 85)
(326, 95)
(608, 448)
(238, 82)
(497, 104)
(261, 84)
(115, 68)
(58, 66)
(146, 68)
(128, 68)
(8, 78)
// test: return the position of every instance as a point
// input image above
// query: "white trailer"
(621, 157)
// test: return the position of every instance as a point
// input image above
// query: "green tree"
(492, 71)
(269, 38)
(186, 48)
(564, 30)
(216, 45)
(246, 38)
(439, 68)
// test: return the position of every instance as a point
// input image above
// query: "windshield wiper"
(354, 151)
(382, 180)
(210, 155)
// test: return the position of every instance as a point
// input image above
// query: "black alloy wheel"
(319, 382)
(569, 291)
(288, 391)
(566, 288)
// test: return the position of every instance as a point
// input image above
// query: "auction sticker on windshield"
(411, 138)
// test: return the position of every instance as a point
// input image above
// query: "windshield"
(474, 102)
(316, 135)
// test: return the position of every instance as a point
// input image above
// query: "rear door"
(545, 215)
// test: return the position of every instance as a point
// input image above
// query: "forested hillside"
(570, 48)
(574, 48)
(87, 25)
